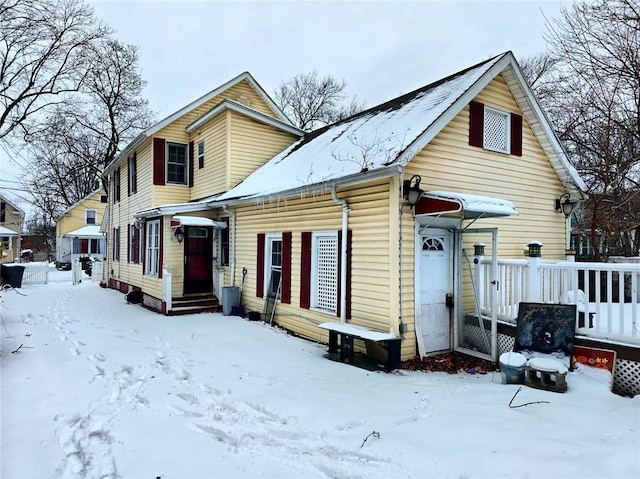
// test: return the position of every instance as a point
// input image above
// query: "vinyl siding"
(450, 163)
(212, 178)
(75, 218)
(368, 220)
(252, 144)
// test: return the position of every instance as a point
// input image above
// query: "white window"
(324, 271)
(152, 253)
(177, 163)
(496, 130)
(90, 217)
(272, 264)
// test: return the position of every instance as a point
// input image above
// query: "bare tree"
(312, 102)
(589, 83)
(43, 55)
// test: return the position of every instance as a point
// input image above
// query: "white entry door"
(434, 285)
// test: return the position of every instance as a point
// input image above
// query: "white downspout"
(343, 253)
(232, 245)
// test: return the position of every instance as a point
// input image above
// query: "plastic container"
(230, 299)
(512, 367)
(12, 274)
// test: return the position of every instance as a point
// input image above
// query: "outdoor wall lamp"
(179, 234)
(565, 205)
(411, 189)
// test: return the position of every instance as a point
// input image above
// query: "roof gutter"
(353, 179)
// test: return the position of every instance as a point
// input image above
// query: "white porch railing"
(35, 273)
(607, 295)
(167, 295)
(218, 282)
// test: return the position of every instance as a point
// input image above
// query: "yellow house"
(11, 218)
(365, 229)
(175, 167)
(78, 230)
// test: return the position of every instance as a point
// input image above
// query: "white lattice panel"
(495, 130)
(627, 378)
(327, 272)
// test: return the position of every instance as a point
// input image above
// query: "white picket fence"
(607, 295)
(35, 273)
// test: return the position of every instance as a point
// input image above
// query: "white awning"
(177, 221)
(86, 232)
(464, 205)
(7, 232)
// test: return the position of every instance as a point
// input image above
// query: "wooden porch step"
(196, 304)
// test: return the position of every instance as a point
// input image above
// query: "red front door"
(198, 248)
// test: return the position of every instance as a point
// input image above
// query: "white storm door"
(435, 283)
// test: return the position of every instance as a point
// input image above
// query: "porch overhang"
(463, 205)
(86, 232)
(7, 232)
(178, 221)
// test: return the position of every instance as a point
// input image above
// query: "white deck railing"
(607, 295)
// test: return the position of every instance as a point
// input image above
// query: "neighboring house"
(78, 230)
(11, 218)
(326, 226)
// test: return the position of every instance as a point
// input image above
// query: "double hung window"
(177, 163)
(273, 265)
(152, 252)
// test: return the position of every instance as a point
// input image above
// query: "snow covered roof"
(385, 137)
(470, 206)
(176, 208)
(177, 221)
(4, 231)
(88, 232)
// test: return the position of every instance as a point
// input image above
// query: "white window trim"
(166, 163)
(86, 216)
(152, 268)
(269, 238)
(507, 132)
(314, 271)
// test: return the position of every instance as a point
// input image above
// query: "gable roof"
(5, 200)
(246, 111)
(383, 139)
(80, 201)
(152, 130)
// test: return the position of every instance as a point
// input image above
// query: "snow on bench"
(348, 332)
(358, 331)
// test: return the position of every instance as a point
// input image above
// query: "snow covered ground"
(102, 389)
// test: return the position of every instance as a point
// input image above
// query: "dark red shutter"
(305, 270)
(129, 182)
(158, 161)
(134, 187)
(516, 134)
(136, 245)
(260, 267)
(286, 268)
(191, 164)
(127, 236)
(160, 249)
(143, 260)
(349, 239)
(476, 123)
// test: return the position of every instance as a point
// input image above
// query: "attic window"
(494, 129)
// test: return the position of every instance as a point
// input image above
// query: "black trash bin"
(12, 274)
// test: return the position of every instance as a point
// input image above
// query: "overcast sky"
(380, 48)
